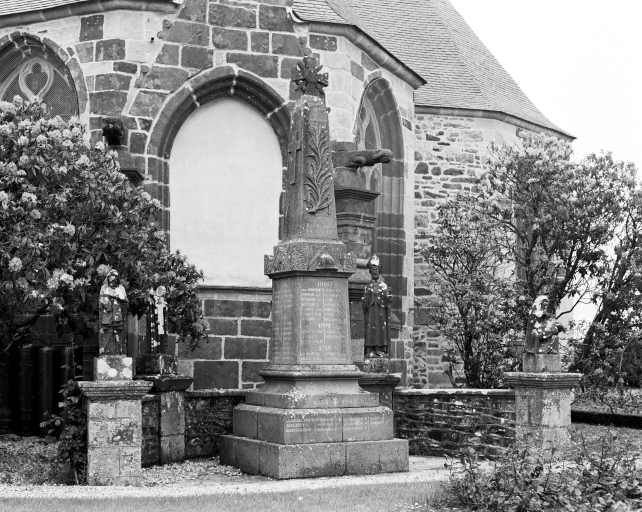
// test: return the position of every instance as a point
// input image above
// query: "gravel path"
(214, 479)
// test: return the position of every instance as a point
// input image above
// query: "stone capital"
(115, 389)
(542, 380)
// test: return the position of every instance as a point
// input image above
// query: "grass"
(593, 434)
(400, 498)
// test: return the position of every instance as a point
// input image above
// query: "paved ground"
(422, 470)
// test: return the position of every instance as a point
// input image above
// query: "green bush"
(601, 478)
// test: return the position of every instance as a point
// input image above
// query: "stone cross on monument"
(311, 418)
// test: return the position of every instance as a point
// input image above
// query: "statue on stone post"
(376, 300)
(542, 329)
(111, 304)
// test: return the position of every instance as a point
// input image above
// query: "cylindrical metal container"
(48, 384)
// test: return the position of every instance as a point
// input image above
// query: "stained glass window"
(28, 68)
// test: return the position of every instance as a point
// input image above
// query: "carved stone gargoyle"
(113, 131)
(356, 159)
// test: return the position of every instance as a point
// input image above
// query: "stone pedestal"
(171, 390)
(311, 418)
(543, 404)
(114, 430)
(381, 384)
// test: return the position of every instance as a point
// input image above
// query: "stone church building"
(203, 89)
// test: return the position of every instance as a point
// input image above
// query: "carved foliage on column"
(318, 184)
(298, 257)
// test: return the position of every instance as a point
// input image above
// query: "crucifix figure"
(157, 319)
(295, 150)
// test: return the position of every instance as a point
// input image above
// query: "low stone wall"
(445, 421)
(208, 415)
(435, 421)
(150, 455)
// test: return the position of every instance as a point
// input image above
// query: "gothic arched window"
(369, 137)
(28, 68)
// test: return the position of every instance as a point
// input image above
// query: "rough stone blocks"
(113, 368)
(172, 413)
(376, 365)
(542, 363)
(314, 460)
(543, 407)
(300, 426)
(172, 449)
(370, 457)
(114, 430)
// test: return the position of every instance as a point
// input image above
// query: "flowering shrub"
(68, 216)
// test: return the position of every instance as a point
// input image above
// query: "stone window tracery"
(29, 69)
(369, 137)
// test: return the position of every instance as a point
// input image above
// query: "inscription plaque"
(282, 348)
(369, 425)
(310, 321)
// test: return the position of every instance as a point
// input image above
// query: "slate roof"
(429, 36)
(432, 38)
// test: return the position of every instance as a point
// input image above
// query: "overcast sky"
(579, 61)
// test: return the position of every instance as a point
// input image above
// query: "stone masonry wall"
(436, 422)
(138, 64)
(240, 332)
(443, 422)
(451, 152)
(208, 415)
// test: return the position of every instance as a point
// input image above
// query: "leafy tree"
(611, 352)
(544, 223)
(554, 217)
(475, 292)
(67, 216)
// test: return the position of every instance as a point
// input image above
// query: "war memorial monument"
(311, 418)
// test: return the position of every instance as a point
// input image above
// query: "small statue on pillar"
(110, 309)
(542, 330)
(376, 300)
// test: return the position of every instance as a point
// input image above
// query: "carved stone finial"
(307, 78)
(113, 130)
